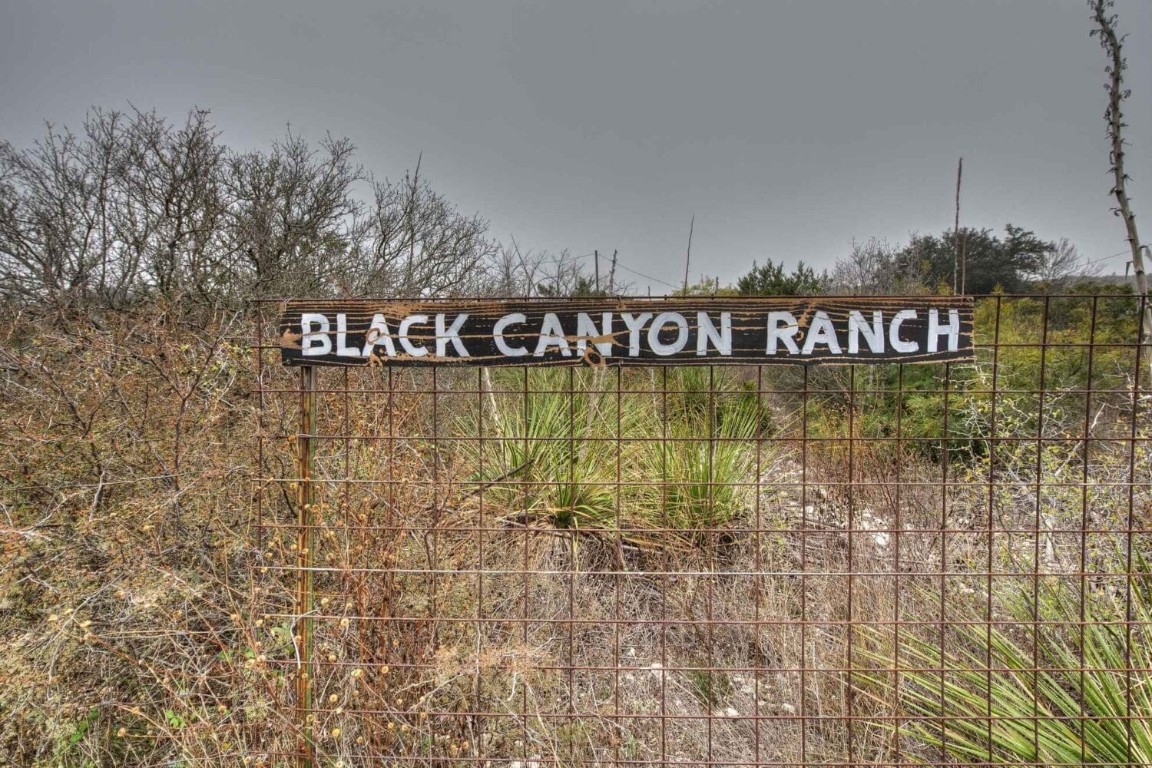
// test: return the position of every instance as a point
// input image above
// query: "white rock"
(731, 712)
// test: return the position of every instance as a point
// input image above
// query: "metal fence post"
(302, 632)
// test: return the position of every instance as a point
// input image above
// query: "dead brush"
(149, 616)
(125, 605)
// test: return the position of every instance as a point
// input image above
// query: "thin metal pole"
(687, 255)
(305, 596)
(956, 233)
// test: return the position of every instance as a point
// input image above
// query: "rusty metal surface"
(589, 566)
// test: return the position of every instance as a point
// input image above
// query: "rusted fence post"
(302, 632)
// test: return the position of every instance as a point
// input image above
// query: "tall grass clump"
(706, 459)
(1083, 699)
(554, 448)
(563, 449)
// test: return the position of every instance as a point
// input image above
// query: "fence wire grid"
(771, 565)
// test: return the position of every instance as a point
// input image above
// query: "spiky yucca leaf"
(1084, 699)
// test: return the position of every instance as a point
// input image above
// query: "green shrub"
(1039, 376)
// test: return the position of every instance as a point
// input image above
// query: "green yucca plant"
(554, 448)
(703, 465)
(682, 457)
(1054, 715)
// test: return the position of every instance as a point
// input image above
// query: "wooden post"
(305, 596)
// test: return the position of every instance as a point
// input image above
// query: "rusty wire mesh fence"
(741, 565)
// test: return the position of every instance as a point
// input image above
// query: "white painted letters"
(601, 337)
(822, 332)
(450, 334)
(635, 325)
(680, 331)
(378, 333)
(405, 325)
(663, 319)
(552, 335)
(706, 332)
(873, 334)
(907, 347)
(951, 330)
(515, 318)
(342, 348)
(785, 333)
(314, 342)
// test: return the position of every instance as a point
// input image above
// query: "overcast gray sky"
(788, 129)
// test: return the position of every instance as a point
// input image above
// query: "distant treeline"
(134, 208)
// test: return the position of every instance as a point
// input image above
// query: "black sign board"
(627, 331)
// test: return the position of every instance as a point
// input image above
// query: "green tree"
(770, 279)
(991, 262)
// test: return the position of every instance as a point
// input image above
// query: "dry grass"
(146, 619)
